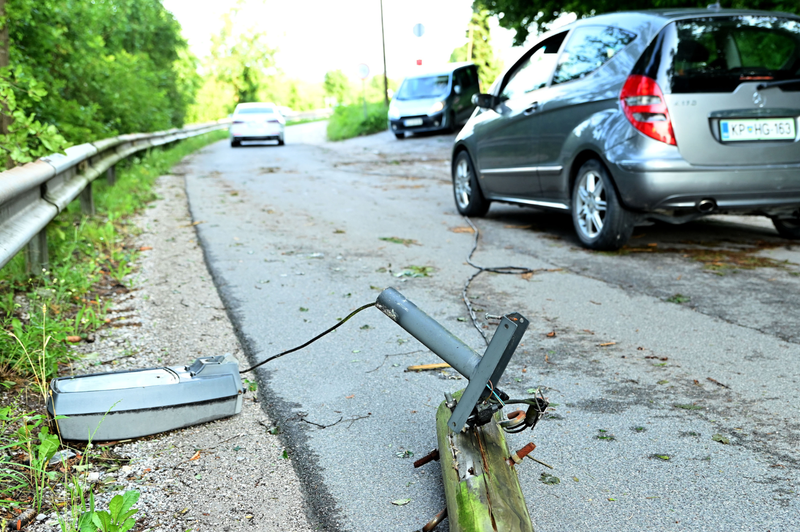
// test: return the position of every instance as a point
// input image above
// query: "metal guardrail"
(32, 195)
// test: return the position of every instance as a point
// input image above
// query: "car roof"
(255, 104)
(663, 16)
(446, 68)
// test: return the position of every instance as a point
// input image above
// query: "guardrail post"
(111, 175)
(87, 201)
(36, 258)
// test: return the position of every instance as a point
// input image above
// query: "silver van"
(436, 100)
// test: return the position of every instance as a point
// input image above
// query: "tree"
(521, 15)
(336, 85)
(478, 49)
(109, 66)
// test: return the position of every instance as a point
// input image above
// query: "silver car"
(628, 117)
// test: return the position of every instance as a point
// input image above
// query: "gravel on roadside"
(229, 475)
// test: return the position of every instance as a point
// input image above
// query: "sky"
(317, 36)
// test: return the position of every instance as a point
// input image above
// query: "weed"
(678, 298)
(88, 263)
(687, 406)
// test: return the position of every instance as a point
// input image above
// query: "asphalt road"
(650, 355)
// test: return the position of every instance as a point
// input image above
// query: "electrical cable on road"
(506, 270)
(317, 337)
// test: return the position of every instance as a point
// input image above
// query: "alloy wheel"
(462, 184)
(591, 204)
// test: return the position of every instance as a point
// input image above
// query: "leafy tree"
(110, 66)
(479, 50)
(520, 15)
(337, 85)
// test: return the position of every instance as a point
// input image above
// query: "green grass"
(89, 258)
(348, 121)
(306, 120)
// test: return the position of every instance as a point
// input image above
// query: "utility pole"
(385, 78)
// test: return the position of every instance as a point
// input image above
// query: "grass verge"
(348, 121)
(41, 316)
(89, 260)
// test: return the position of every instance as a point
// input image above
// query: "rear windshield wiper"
(778, 83)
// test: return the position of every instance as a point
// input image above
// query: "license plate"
(411, 122)
(757, 129)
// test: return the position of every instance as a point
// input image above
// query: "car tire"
(470, 201)
(399, 136)
(235, 143)
(600, 220)
(281, 142)
(787, 227)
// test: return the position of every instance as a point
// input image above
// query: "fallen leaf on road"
(517, 226)
(350, 396)
(721, 439)
(527, 275)
(551, 334)
(195, 457)
(709, 379)
(547, 478)
(606, 344)
(396, 240)
(73, 339)
(145, 248)
(401, 502)
(462, 229)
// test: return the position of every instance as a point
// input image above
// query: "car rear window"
(255, 110)
(716, 54)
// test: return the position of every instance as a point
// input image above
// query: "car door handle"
(532, 109)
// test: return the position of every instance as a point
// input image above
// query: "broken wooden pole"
(482, 491)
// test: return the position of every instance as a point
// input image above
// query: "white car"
(256, 121)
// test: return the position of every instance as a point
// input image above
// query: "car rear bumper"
(674, 185)
(256, 133)
(435, 122)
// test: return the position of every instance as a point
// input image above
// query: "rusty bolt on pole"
(516, 458)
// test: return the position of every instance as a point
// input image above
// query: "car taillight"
(643, 104)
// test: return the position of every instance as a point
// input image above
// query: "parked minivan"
(436, 100)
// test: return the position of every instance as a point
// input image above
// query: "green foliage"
(27, 138)
(337, 85)
(348, 121)
(118, 518)
(481, 52)
(524, 16)
(62, 301)
(110, 67)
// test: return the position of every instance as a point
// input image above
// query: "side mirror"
(457, 89)
(485, 101)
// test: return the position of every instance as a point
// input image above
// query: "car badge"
(759, 99)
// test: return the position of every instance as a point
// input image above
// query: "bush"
(348, 121)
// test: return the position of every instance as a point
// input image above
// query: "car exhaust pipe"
(706, 206)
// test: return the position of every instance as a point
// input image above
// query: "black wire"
(356, 311)
(507, 270)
